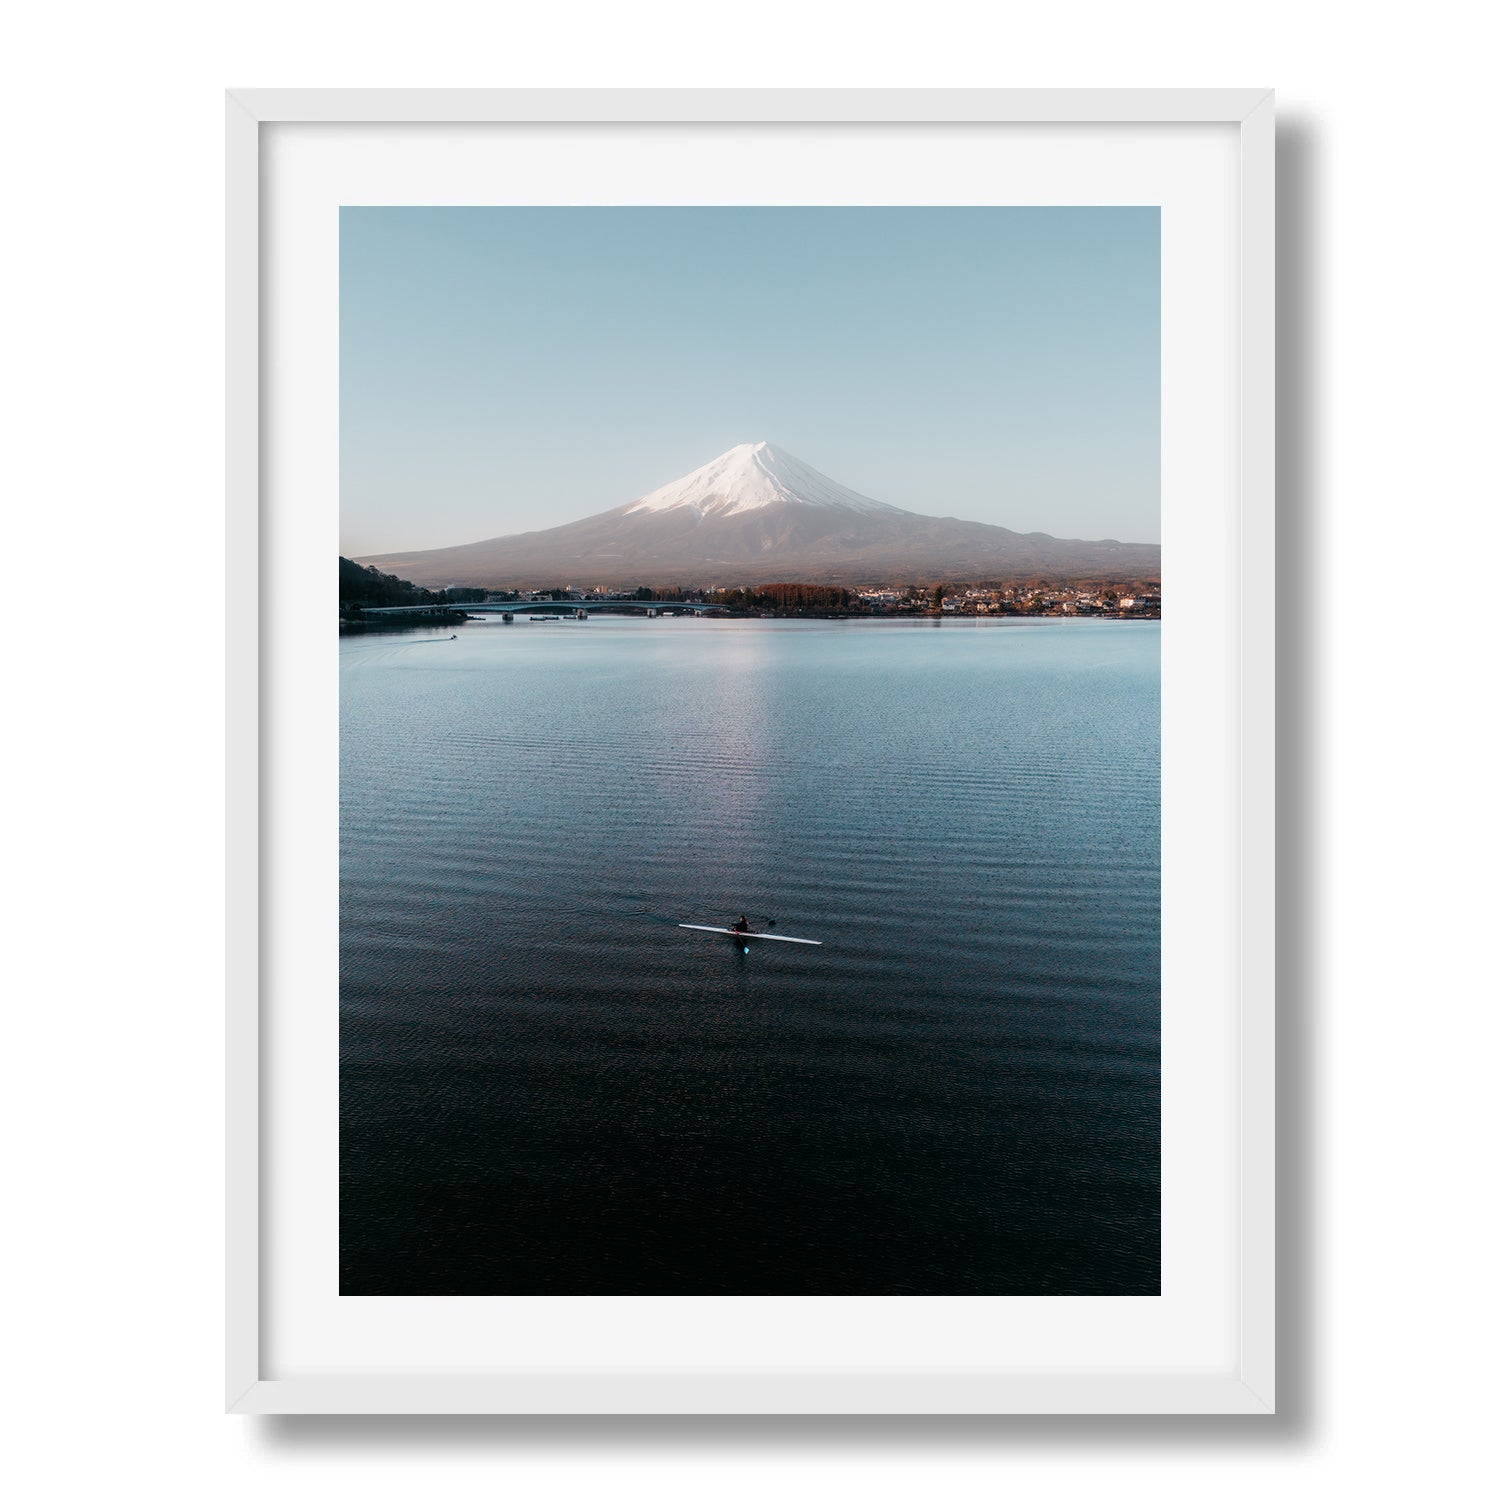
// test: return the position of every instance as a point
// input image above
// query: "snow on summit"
(752, 476)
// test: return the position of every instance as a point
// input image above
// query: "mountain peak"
(752, 476)
(756, 514)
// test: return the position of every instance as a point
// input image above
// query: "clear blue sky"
(507, 369)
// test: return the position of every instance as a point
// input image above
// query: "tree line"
(786, 596)
(361, 587)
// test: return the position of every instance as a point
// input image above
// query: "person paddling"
(741, 926)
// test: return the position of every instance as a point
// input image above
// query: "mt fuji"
(758, 515)
(754, 476)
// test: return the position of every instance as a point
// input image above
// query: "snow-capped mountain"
(757, 515)
(752, 476)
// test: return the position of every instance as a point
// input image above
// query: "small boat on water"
(765, 937)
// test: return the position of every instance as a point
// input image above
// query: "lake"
(548, 1087)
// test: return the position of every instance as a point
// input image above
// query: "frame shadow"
(1300, 671)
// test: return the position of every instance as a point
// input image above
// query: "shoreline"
(439, 619)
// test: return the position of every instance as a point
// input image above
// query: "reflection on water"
(549, 1087)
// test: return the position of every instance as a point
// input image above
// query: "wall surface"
(1388, 497)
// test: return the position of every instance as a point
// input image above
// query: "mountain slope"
(757, 514)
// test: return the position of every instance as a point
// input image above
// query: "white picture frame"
(1243, 1384)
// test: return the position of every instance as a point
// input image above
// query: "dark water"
(548, 1087)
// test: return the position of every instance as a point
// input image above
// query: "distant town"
(1138, 601)
(368, 597)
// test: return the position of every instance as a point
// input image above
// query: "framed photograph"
(766, 904)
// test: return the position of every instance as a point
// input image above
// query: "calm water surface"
(548, 1087)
